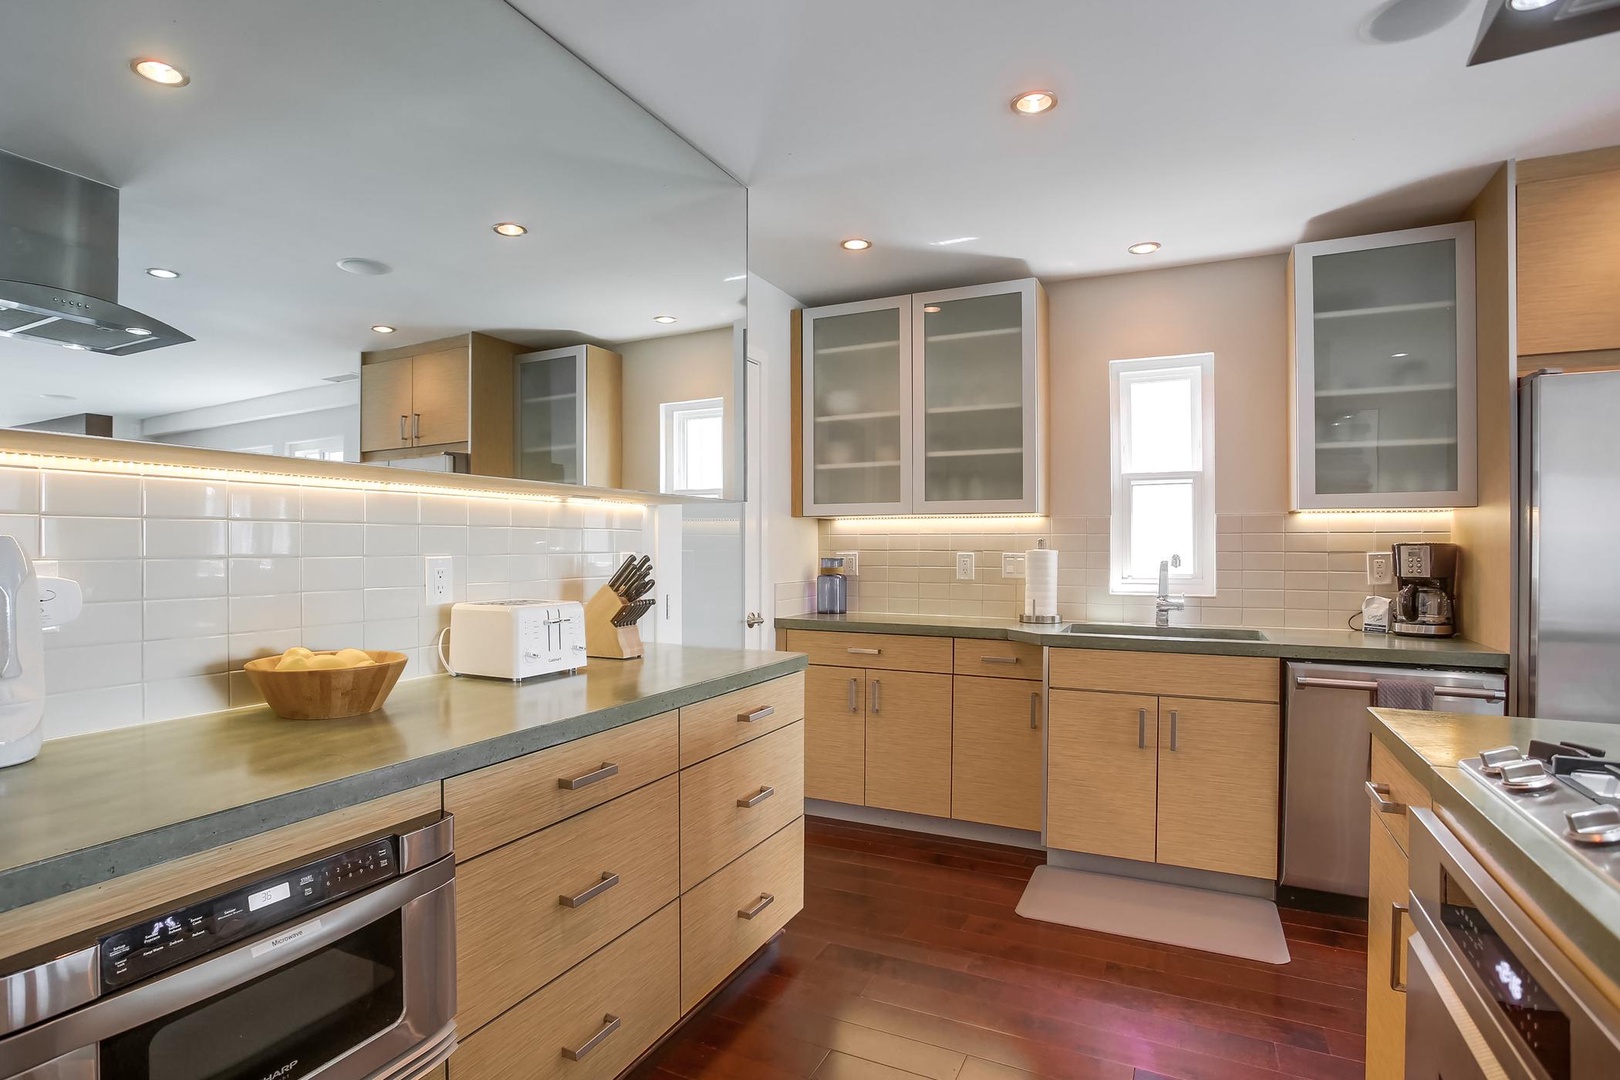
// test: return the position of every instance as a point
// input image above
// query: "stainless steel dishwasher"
(1328, 748)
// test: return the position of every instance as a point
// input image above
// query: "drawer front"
(1231, 678)
(715, 934)
(732, 802)
(1404, 791)
(998, 659)
(514, 931)
(636, 980)
(497, 805)
(881, 652)
(715, 726)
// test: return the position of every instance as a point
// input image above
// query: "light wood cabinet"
(933, 403)
(1387, 894)
(1102, 774)
(1218, 786)
(882, 652)
(714, 726)
(1232, 678)
(731, 803)
(835, 734)
(567, 412)
(908, 742)
(996, 750)
(452, 395)
(1568, 278)
(998, 659)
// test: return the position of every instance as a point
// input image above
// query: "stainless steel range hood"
(59, 264)
(1512, 27)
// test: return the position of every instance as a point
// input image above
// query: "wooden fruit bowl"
(326, 695)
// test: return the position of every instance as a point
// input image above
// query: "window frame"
(673, 416)
(1122, 485)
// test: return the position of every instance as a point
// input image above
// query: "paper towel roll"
(1040, 583)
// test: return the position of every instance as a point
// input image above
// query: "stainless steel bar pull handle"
(1397, 946)
(864, 652)
(1377, 793)
(1141, 729)
(416, 425)
(1035, 710)
(1471, 693)
(587, 779)
(610, 1024)
(998, 659)
(609, 879)
(757, 715)
(403, 437)
(765, 900)
(757, 798)
(877, 695)
(1173, 720)
(854, 695)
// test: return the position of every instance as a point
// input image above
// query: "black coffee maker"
(1425, 599)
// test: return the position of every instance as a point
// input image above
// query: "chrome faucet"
(1167, 603)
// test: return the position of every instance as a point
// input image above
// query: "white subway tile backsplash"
(441, 510)
(385, 604)
(327, 574)
(99, 624)
(334, 504)
(393, 508)
(103, 581)
(253, 644)
(168, 497)
(488, 540)
(89, 538)
(90, 494)
(265, 502)
(259, 538)
(330, 539)
(176, 579)
(345, 635)
(178, 658)
(167, 699)
(19, 491)
(26, 530)
(179, 538)
(78, 712)
(254, 613)
(394, 571)
(91, 667)
(264, 576)
(333, 608)
(443, 540)
(186, 618)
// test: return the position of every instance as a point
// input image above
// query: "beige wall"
(1234, 309)
(679, 367)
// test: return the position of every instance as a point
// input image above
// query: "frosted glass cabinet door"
(550, 420)
(857, 408)
(1384, 371)
(976, 405)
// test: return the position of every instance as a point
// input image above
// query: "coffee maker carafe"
(1426, 580)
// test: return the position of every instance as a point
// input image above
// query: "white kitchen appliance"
(22, 657)
(516, 639)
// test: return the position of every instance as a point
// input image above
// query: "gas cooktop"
(1570, 791)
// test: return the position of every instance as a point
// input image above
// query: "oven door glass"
(1530, 1011)
(284, 1024)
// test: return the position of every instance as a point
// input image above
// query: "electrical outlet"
(964, 566)
(1380, 568)
(1012, 564)
(852, 562)
(440, 581)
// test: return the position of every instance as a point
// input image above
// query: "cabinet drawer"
(715, 726)
(496, 805)
(523, 885)
(1404, 790)
(1233, 678)
(716, 932)
(998, 659)
(883, 652)
(732, 802)
(635, 980)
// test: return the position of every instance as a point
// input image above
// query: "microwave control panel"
(170, 939)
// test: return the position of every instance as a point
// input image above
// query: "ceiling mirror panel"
(403, 232)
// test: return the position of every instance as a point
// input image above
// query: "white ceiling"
(398, 130)
(1220, 128)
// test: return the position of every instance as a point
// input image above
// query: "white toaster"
(517, 639)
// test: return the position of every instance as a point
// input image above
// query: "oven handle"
(1471, 693)
(202, 979)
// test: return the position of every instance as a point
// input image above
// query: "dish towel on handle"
(1415, 694)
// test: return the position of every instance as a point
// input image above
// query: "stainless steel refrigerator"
(1568, 654)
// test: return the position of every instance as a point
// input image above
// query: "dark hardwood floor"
(909, 961)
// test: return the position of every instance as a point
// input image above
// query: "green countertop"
(1349, 646)
(98, 806)
(1583, 904)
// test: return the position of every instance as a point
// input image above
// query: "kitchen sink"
(1164, 633)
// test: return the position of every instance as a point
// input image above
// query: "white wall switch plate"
(852, 562)
(1012, 564)
(1380, 568)
(964, 566)
(439, 580)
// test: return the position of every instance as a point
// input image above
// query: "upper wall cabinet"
(927, 404)
(568, 405)
(444, 396)
(1383, 370)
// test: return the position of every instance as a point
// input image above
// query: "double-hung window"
(693, 458)
(1163, 474)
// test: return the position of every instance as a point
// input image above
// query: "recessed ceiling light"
(1034, 102)
(1146, 247)
(665, 319)
(738, 277)
(952, 240)
(931, 309)
(1398, 355)
(1529, 5)
(363, 267)
(159, 72)
(159, 272)
(855, 243)
(383, 328)
(79, 348)
(510, 228)
(59, 397)
(138, 331)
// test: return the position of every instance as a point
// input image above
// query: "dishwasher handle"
(1472, 693)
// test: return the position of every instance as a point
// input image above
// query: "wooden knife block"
(603, 640)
